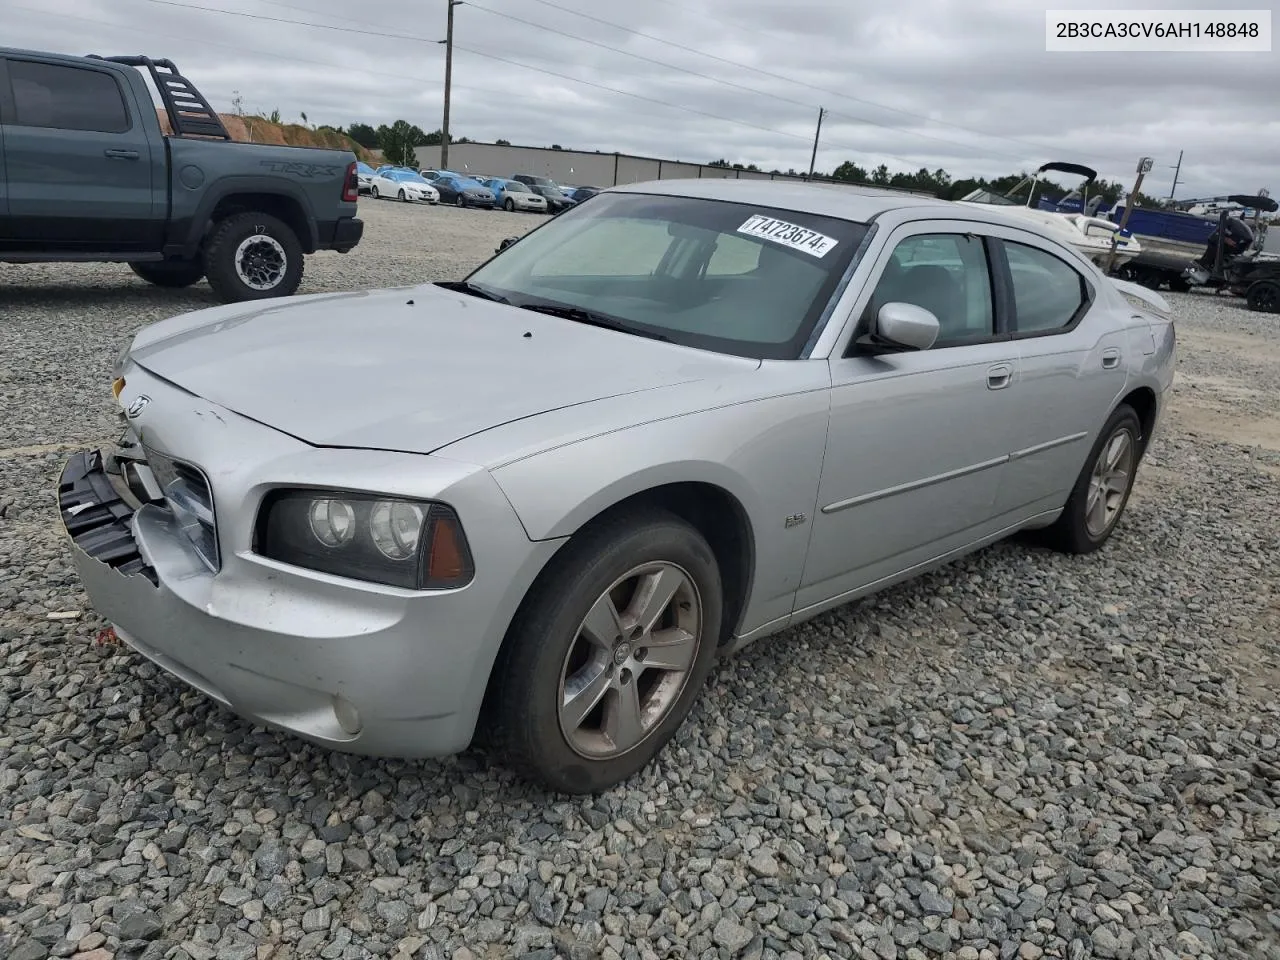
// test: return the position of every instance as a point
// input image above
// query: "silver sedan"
(534, 505)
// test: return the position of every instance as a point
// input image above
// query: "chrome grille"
(186, 491)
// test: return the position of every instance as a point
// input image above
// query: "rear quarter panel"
(759, 437)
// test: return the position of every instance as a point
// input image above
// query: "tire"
(170, 273)
(460, 201)
(373, 192)
(547, 644)
(509, 205)
(1073, 532)
(401, 197)
(1264, 296)
(276, 242)
(1179, 284)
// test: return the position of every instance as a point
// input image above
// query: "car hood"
(411, 369)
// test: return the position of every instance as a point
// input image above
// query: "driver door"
(918, 440)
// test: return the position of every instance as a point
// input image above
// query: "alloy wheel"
(630, 660)
(1109, 483)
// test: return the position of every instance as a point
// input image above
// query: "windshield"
(731, 277)
(515, 186)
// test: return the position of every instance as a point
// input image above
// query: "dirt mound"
(261, 130)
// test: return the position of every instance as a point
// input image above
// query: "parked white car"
(403, 185)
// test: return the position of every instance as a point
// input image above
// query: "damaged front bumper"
(359, 670)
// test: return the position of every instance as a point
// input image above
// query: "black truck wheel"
(253, 256)
(1264, 296)
(169, 273)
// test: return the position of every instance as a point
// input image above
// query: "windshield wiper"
(578, 315)
(467, 287)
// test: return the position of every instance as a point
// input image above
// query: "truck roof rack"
(190, 114)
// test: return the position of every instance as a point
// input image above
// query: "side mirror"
(906, 325)
(508, 241)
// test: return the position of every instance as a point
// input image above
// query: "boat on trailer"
(1094, 237)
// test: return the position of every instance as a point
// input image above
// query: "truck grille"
(186, 492)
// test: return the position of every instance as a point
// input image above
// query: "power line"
(491, 56)
(407, 37)
(303, 23)
(469, 88)
(778, 76)
(661, 63)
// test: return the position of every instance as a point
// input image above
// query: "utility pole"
(1176, 171)
(448, 83)
(813, 158)
(1144, 167)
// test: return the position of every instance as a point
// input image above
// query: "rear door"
(1074, 362)
(79, 162)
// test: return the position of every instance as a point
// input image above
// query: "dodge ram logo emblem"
(139, 404)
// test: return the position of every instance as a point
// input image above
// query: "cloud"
(966, 86)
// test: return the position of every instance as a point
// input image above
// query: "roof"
(859, 203)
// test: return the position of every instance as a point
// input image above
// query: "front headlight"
(414, 544)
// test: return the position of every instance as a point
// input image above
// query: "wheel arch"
(709, 505)
(1146, 406)
(233, 195)
(285, 208)
(710, 508)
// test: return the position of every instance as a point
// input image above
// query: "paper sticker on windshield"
(789, 235)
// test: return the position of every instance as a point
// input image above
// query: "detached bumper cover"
(97, 518)
(349, 669)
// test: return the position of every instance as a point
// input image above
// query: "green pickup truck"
(89, 174)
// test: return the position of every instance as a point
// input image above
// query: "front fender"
(766, 454)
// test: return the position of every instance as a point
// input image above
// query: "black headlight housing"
(395, 541)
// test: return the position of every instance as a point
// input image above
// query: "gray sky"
(961, 84)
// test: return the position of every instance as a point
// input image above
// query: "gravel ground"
(1023, 755)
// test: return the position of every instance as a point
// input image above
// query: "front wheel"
(460, 201)
(509, 205)
(608, 654)
(1264, 296)
(169, 273)
(401, 197)
(253, 256)
(373, 192)
(1102, 490)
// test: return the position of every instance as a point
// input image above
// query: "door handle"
(1111, 358)
(116, 154)
(999, 376)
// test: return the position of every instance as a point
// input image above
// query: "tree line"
(398, 142)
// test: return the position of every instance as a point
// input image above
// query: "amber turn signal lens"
(116, 386)
(448, 561)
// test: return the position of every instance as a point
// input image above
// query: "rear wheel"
(170, 273)
(1102, 490)
(253, 256)
(1264, 296)
(609, 653)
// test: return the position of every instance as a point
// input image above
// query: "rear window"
(66, 98)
